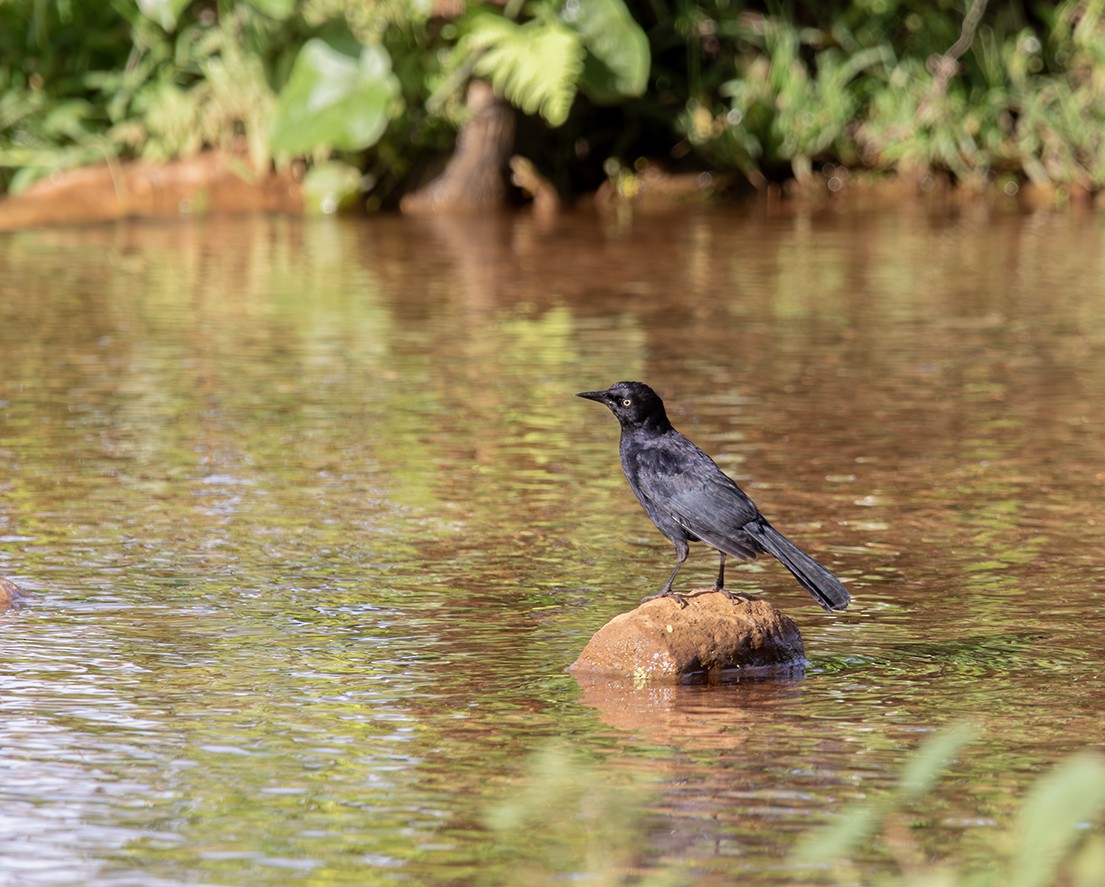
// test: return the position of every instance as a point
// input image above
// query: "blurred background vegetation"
(978, 92)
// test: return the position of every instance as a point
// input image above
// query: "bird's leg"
(682, 549)
(720, 585)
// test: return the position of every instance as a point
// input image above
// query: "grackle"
(690, 499)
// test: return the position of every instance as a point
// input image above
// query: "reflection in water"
(672, 715)
(315, 525)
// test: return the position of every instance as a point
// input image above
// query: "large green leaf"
(618, 60)
(535, 65)
(334, 100)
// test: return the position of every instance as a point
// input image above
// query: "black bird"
(690, 499)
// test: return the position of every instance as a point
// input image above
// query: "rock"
(10, 594)
(660, 641)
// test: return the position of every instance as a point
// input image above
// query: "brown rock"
(661, 641)
(10, 594)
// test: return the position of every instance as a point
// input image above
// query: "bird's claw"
(667, 592)
(737, 596)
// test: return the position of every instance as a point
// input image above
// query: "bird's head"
(634, 403)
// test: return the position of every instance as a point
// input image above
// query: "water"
(315, 526)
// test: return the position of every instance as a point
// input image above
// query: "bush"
(978, 90)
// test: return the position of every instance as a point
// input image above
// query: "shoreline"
(215, 183)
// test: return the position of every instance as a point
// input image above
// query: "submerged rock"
(10, 594)
(660, 640)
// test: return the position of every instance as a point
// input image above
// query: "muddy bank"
(217, 183)
(213, 182)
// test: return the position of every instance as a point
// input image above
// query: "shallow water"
(314, 527)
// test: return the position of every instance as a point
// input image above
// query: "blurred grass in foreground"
(563, 822)
(1050, 841)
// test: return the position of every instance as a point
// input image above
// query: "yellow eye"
(626, 402)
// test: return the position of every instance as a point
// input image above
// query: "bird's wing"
(684, 483)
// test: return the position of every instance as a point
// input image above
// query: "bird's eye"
(626, 402)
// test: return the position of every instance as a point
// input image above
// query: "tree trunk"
(474, 178)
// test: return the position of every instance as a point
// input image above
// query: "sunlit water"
(314, 526)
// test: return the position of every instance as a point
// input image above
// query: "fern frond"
(536, 66)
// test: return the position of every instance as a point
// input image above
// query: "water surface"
(315, 526)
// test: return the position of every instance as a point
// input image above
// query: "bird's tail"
(817, 580)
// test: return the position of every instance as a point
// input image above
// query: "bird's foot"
(667, 592)
(736, 596)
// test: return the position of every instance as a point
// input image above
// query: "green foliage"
(1051, 822)
(618, 57)
(592, 837)
(277, 9)
(334, 100)
(857, 826)
(897, 85)
(158, 95)
(536, 65)
(165, 12)
(976, 90)
(1050, 841)
(779, 109)
(541, 64)
(280, 78)
(330, 186)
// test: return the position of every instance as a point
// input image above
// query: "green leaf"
(842, 836)
(276, 9)
(1051, 818)
(164, 12)
(535, 66)
(68, 119)
(334, 100)
(836, 841)
(926, 764)
(619, 59)
(331, 187)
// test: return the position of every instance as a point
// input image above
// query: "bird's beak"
(600, 396)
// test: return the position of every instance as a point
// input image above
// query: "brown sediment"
(212, 182)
